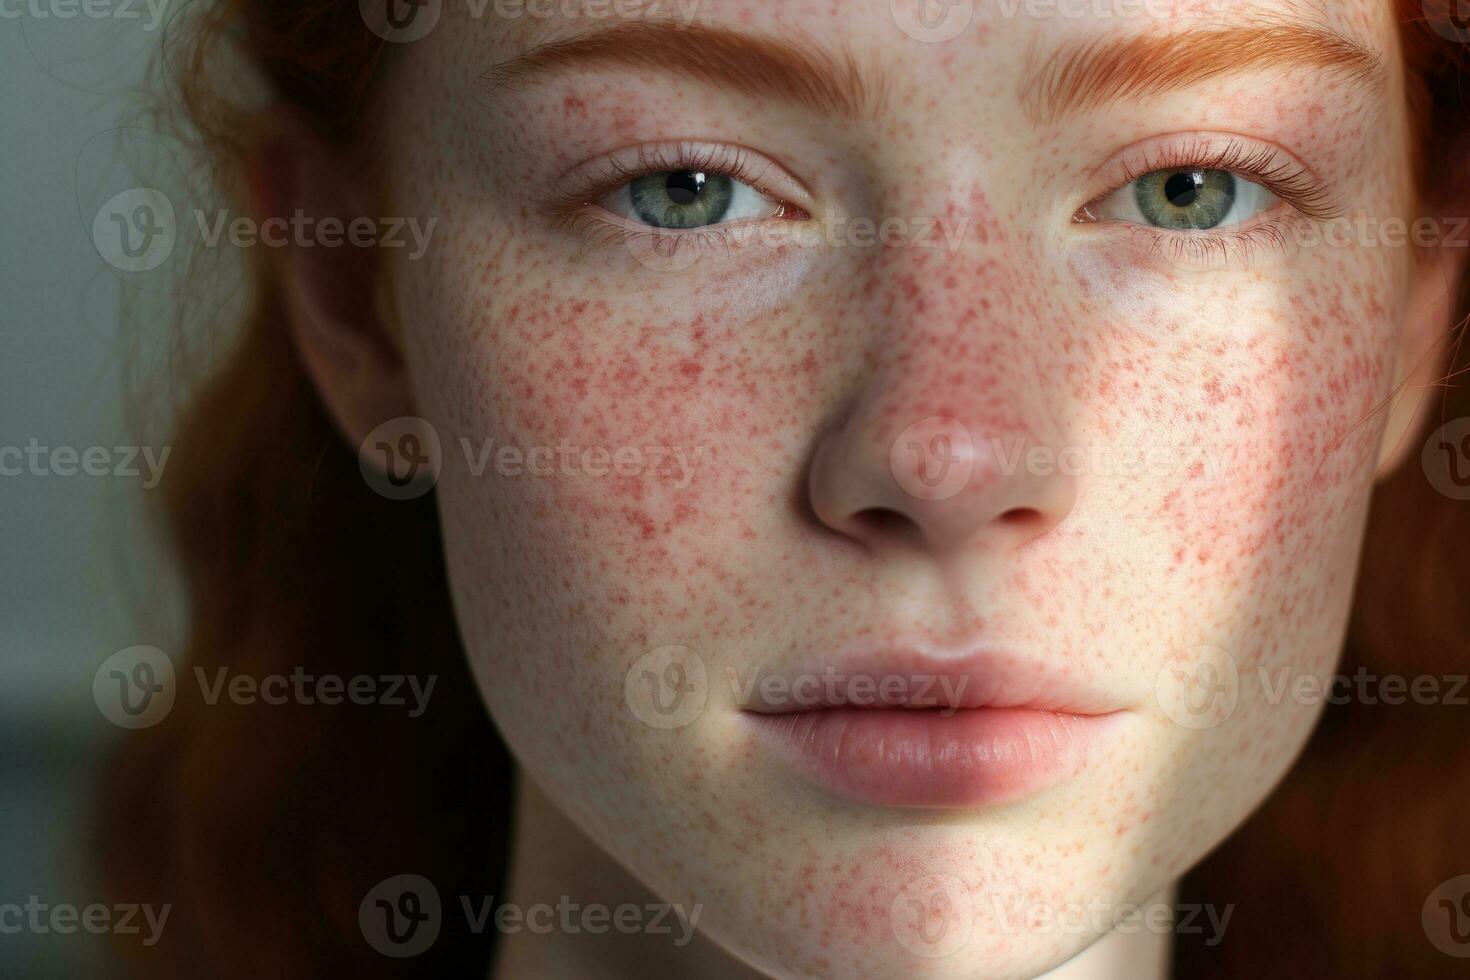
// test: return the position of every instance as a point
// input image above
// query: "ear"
(1423, 352)
(305, 194)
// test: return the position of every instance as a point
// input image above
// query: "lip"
(918, 730)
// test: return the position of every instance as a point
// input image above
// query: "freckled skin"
(776, 359)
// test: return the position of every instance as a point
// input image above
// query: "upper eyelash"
(1261, 164)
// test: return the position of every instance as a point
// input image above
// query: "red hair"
(265, 826)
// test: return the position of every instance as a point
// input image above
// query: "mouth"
(919, 731)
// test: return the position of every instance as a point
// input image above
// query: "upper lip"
(908, 676)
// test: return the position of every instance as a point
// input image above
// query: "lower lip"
(971, 757)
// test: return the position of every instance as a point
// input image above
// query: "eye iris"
(1183, 199)
(681, 198)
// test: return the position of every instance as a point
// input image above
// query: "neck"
(555, 865)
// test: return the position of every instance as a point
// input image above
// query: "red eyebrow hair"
(765, 67)
(1090, 73)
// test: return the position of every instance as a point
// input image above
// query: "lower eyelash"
(595, 230)
(1218, 249)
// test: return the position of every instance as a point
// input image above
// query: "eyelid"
(1261, 162)
(594, 179)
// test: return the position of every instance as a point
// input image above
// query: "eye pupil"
(684, 186)
(1183, 188)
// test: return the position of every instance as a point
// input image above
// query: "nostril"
(885, 521)
(1021, 517)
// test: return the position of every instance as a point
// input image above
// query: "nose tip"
(938, 485)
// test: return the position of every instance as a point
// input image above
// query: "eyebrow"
(756, 65)
(1088, 74)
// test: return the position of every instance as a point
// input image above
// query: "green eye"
(681, 198)
(689, 197)
(1183, 199)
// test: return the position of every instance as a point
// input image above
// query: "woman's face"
(984, 365)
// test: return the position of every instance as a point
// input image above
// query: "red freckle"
(1213, 394)
(645, 523)
(691, 369)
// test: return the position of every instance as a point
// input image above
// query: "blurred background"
(81, 578)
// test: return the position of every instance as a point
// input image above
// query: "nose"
(895, 479)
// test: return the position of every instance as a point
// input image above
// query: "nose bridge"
(939, 434)
(960, 336)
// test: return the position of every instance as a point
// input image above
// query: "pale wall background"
(75, 555)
